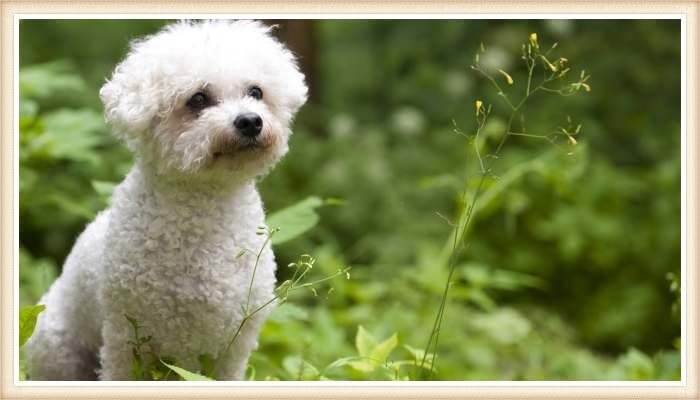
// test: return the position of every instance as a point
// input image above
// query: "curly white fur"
(167, 252)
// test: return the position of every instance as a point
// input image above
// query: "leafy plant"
(187, 375)
(294, 220)
(27, 321)
(373, 356)
(373, 360)
(552, 72)
(301, 268)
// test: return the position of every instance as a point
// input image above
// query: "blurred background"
(572, 263)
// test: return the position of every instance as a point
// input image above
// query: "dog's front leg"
(116, 355)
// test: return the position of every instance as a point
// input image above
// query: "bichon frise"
(206, 107)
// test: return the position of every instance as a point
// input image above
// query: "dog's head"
(206, 98)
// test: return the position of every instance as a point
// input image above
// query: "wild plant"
(545, 74)
(301, 268)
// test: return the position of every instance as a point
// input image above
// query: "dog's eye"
(198, 101)
(255, 92)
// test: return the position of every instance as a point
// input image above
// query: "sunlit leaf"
(381, 351)
(185, 374)
(294, 220)
(27, 321)
(364, 342)
(363, 365)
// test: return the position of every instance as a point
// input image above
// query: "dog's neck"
(192, 189)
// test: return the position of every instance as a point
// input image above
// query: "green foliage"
(374, 360)
(145, 364)
(299, 369)
(186, 375)
(46, 81)
(373, 353)
(28, 316)
(294, 220)
(35, 277)
(571, 269)
(62, 150)
(27, 321)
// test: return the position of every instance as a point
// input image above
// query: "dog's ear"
(130, 100)
(300, 95)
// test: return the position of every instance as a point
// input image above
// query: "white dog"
(206, 108)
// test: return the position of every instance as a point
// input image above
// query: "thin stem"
(457, 242)
(522, 102)
(249, 315)
(544, 137)
(505, 136)
(494, 83)
(560, 92)
(531, 67)
(255, 268)
(460, 230)
(239, 329)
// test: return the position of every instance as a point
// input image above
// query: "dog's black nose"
(248, 124)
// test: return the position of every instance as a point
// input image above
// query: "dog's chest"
(184, 270)
(182, 253)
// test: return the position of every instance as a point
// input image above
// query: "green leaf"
(71, 134)
(27, 321)
(363, 365)
(381, 351)
(418, 355)
(28, 109)
(53, 79)
(637, 365)
(250, 376)
(341, 362)
(411, 363)
(70, 206)
(136, 366)
(157, 375)
(22, 366)
(298, 368)
(207, 364)
(505, 325)
(288, 312)
(480, 298)
(364, 342)
(185, 374)
(104, 189)
(294, 220)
